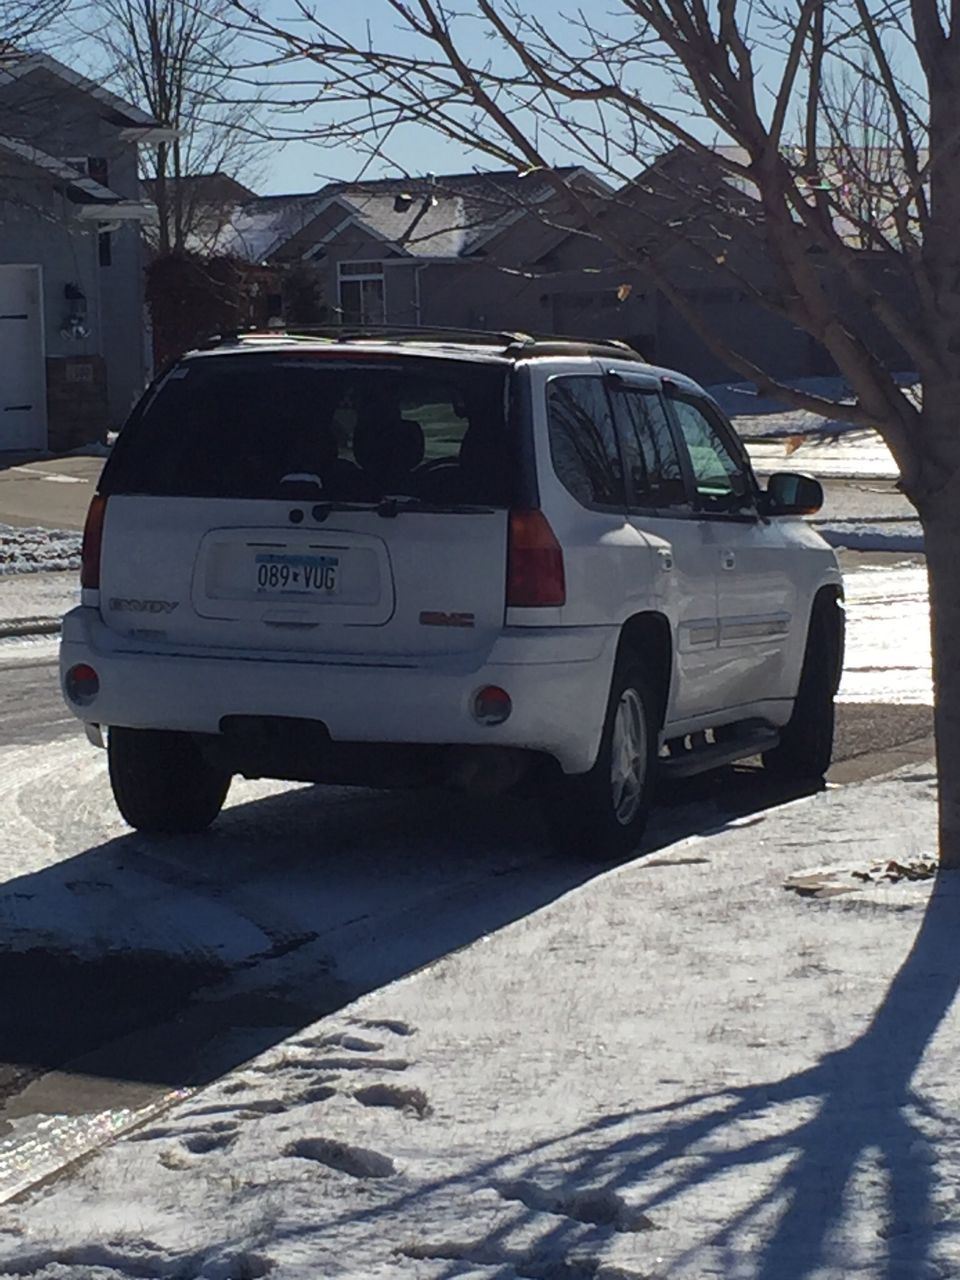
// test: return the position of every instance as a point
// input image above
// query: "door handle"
(728, 560)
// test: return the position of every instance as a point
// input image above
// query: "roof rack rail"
(612, 348)
(410, 333)
(230, 336)
(512, 341)
(509, 343)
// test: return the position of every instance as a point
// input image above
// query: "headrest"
(387, 446)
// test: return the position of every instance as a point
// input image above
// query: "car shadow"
(170, 960)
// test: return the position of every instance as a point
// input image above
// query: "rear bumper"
(557, 678)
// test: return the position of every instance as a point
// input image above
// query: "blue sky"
(303, 166)
(295, 166)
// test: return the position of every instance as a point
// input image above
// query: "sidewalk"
(680, 1069)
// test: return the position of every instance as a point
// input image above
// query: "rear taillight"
(492, 705)
(92, 541)
(82, 684)
(535, 576)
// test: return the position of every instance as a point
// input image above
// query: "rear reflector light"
(92, 541)
(492, 705)
(82, 684)
(535, 577)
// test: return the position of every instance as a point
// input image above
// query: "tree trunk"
(941, 528)
(178, 237)
(162, 199)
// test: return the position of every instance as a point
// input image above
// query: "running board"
(715, 754)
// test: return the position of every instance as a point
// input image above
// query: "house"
(501, 250)
(446, 249)
(72, 350)
(199, 205)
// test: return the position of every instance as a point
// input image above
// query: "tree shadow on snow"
(771, 1174)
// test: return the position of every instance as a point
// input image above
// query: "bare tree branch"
(176, 57)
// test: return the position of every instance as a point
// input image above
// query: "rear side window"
(583, 442)
(653, 464)
(276, 426)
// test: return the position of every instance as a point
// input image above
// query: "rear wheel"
(161, 782)
(806, 742)
(601, 815)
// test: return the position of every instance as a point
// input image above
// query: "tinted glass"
(583, 443)
(264, 426)
(721, 477)
(649, 450)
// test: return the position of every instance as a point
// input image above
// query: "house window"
(105, 249)
(94, 167)
(98, 170)
(361, 293)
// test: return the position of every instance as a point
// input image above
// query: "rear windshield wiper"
(391, 505)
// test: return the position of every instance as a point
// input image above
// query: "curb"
(18, 627)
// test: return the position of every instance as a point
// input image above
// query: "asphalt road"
(51, 492)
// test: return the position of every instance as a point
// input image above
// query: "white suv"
(481, 561)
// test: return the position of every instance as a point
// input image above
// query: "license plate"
(277, 574)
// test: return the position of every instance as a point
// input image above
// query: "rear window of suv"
(283, 425)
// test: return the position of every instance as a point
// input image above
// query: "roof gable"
(17, 65)
(91, 200)
(437, 216)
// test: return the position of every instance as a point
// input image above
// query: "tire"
(806, 741)
(162, 783)
(600, 816)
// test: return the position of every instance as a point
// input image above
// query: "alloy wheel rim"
(628, 757)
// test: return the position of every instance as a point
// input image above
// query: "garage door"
(23, 395)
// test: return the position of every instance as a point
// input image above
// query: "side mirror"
(790, 494)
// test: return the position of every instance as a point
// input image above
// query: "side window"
(649, 450)
(583, 443)
(723, 483)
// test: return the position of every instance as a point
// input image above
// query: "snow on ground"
(37, 550)
(37, 595)
(29, 649)
(896, 535)
(676, 1070)
(888, 635)
(767, 415)
(781, 438)
(861, 454)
